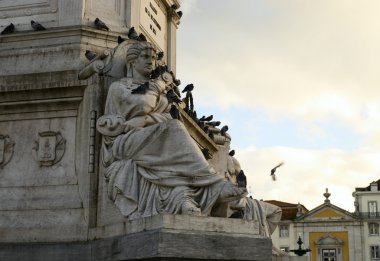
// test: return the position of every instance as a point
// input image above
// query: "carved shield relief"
(6, 150)
(49, 148)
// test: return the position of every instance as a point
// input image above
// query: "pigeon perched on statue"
(141, 89)
(142, 38)
(90, 55)
(174, 112)
(177, 82)
(100, 25)
(241, 179)
(172, 97)
(272, 172)
(132, 34)
(223, 130)
(160, 55)
(208, 118)
(158, 71)
(120, 39)
(37, 26)
(188, 88)
(206, 153)
(231, 153)
(213, 123)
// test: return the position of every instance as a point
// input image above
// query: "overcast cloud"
(315, 64)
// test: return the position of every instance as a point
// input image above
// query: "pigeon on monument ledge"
(160, 55)
(90, 55)
(231, 153)
(100, 25)
(213, 123)
(172, 97)
(37, 26)
(206, 153)
(179, 13)
(272, 172)
(241, 179)
(174, 112)
(120, 39)
(9, 29)
(188, 88)
(132, 34)
(142, 38)
(208, 118)
(177, 82)
(141, 89)
(158, 71)
(224, 130)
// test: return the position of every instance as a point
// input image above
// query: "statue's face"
(146, 62)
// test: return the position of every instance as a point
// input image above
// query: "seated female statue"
(152, 165)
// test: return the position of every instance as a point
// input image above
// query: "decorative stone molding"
(6, 150)
(49, 148)
(16, 8)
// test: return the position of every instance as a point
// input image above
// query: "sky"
(296, 82)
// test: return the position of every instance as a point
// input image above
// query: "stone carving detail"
(6, 150)
(91, 160)
(49, 148)
(150, 162)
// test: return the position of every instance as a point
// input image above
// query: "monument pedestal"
(161, 237)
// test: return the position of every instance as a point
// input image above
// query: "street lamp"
(300, 251)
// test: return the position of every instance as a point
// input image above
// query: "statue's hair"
(135, 49)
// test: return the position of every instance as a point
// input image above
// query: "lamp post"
(300, 251)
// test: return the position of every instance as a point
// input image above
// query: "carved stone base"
(157, 239)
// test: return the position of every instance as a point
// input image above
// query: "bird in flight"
(272, 172)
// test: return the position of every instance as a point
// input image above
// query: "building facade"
(331, 233)
(367, 202)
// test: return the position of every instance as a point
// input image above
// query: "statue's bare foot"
(189, 208)
(231, 192)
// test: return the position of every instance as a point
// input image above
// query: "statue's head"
(141, 59)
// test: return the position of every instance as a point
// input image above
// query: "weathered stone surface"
(162, 237)
(45, 197)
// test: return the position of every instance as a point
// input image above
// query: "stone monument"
(96, 160)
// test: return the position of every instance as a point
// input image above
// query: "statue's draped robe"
(156, 168)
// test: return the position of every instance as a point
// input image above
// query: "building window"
(372, 208)
(373, 229)
(284, 248)
(375, 252)
(284, 230)
(329, 254)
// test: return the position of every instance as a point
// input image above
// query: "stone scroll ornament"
(49, 148)
(6, 150)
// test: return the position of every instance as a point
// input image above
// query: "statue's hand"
(111, 125)
(135, 123)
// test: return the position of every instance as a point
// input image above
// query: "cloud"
(306, 60)
(314, 63)
(306, 173)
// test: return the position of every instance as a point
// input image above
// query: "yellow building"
(331, 233)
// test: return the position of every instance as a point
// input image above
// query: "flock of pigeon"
(11, 28)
